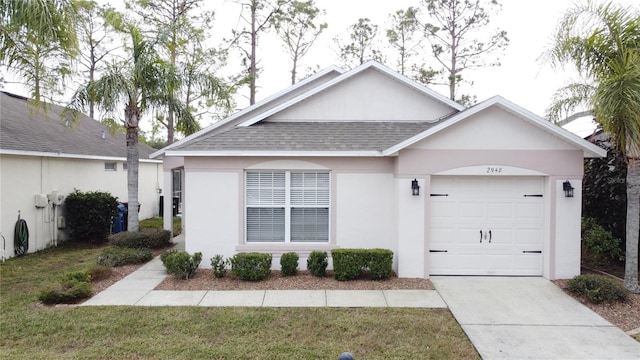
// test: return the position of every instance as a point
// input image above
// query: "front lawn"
(30, 330)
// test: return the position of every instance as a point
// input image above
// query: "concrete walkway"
(138, 289)
(530, 318)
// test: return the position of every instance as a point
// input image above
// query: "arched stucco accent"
(491, 169)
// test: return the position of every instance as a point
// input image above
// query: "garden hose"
(21, 237)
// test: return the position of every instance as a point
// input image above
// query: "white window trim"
(287, 210)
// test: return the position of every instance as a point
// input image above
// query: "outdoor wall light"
(415, 188)
(568, 189)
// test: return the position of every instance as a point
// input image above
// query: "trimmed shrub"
(219, 266)
(251, 266)
(380, 263)
(70, 291)
(74, 287)
(145, 238)
(181, 264)
(289, 263)
(99, 272)
(81, 276)
(597, 288)
(89, 215)
(349, 264)
(113, 256)
(599, 246)
(317, 263)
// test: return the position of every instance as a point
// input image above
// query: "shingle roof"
(25, 127)
(309, 136)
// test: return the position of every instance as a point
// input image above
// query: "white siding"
(212, 207)
(366, 211)
(567, 230)
(411, 226)
(22, 177)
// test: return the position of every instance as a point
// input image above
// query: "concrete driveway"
(530, 318)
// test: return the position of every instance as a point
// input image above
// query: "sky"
(522, 78)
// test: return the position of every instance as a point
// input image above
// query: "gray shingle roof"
(309, 136)
(25, 127)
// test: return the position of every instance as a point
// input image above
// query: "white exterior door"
(486, 225)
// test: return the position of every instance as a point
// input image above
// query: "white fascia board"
(248, 109)
(590, 150)
(241, 153)
(71, 156)
(347, 75)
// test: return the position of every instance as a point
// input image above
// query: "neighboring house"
(335, 160)
(43, 159)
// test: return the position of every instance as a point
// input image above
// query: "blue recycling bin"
(119, 221)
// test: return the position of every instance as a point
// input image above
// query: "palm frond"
(567, 99)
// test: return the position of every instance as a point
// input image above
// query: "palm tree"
(602, 41)
(138, 84)
(38, 41)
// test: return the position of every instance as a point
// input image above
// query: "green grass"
(156, 223)
(32, 331)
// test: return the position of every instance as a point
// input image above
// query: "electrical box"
(41, 200)
(61, 222)
(55, 197)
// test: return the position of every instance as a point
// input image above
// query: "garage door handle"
(532, 251)
(490, 236)
(438, 250)
(480, 236)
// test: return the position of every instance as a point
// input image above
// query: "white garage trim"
(486, 225)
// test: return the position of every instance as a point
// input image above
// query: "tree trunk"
(293, 70)
(132, 115)
(252, 61)
(633, 220)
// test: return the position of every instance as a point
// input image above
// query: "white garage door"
(486, 225)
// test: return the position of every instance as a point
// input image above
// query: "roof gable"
(28, 129)
(491, 115)
(270, 102)
(445, 105)
(370, 96)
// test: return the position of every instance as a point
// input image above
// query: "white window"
(110, 166)
(287, 206)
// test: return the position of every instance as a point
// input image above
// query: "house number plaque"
(491, 170)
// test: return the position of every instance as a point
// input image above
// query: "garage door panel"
(499, 264)
(532, 185)
(450, 238)
(471, 210)
(498, 236)
(529, 212)
(499, 211)
(443, 263)
(528, 237)
(443, 213)
(471, 263)
(488, 204)
(500, 188)
(528, 264)
(467, 187)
